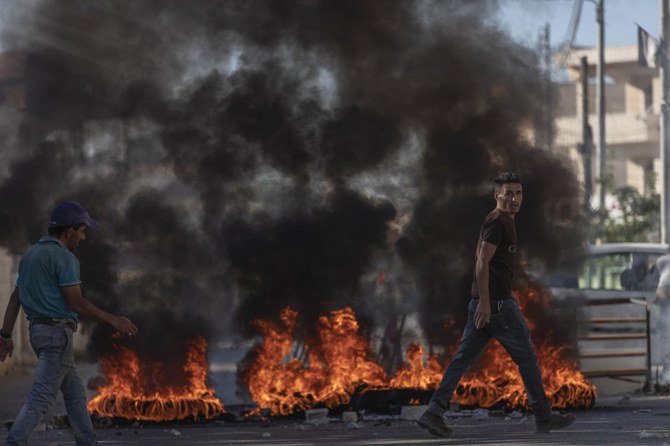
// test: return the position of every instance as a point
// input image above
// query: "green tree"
(635, 218)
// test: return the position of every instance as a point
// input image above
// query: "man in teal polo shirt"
(48, 289)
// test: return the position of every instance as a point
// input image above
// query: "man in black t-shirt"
(494, 312)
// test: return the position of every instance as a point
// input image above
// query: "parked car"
(610, 289)
(606, 271)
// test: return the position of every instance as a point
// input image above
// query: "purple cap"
(71, 213)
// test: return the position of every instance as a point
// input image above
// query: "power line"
(571, 33)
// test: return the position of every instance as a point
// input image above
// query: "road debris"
(654, 434)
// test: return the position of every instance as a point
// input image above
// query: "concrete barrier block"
(317, 416)
(349, 417)
(412, 412)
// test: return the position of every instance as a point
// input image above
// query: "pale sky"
(525, 19)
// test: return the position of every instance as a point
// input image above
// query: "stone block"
(317, 416)
(349, 417)
(412, 412)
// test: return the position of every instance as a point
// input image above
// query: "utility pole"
(664, 124)
(586, 147)
(601, 162)
(548, 106)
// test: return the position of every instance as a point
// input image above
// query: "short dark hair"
(56, 230)
(507, 177)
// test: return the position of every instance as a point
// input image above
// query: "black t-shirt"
(499, 230)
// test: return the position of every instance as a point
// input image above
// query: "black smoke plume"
(254, 154)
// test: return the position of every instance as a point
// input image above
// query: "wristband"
(5, 336)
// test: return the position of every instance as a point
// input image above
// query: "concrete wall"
(22, 352)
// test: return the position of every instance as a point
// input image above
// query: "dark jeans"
(509, 327)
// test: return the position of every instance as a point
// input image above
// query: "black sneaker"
(557, 421)
(435, 424)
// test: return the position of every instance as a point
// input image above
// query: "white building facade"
(632, 107)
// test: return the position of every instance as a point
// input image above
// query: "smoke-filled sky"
(247, 155)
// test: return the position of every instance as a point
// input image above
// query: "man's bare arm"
(484, 256)
(11, 313)
(79, 304)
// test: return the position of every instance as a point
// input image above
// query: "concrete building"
(13, 98)
(21, 346)
(632, 105)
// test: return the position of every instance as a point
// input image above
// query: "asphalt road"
(642, 420)
(618, 426)
(636, 420)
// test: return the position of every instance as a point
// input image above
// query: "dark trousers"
(509, 327)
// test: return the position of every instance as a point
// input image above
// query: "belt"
(496, 304)
(491, 300)
(55, 322)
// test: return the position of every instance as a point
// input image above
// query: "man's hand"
(12, 312)
(77, 302)
(482, 314)
(662, 296)
(124, 326)
(6, 349)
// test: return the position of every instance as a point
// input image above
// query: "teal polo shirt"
(44, 269)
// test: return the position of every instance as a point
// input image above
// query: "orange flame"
(339, 361)
(336, 364)
(499, 381)
(135, 392)
(413, 374)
